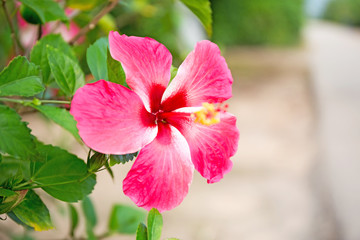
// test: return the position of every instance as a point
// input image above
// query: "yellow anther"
(208, 115)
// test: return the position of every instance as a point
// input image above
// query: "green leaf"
(202, 9)
(38, 54)
(47, 10)
(33, 212)
(90, 216)
(62, 174)
(74, 219)
(116, 73)
(67, 72)
(141, 233)
(96, 56)
(6, 192)
(155, 223)
(125, 219)
(60, 116)
(116, 159)
(20, 78)
(15, 139)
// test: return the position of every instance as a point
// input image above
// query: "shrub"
(257, 22)
(343, 11)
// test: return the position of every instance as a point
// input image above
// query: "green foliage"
(125, 219)
(67, 72)
(201, 8)
(257, 22)
(38, 54)
(15, 139)
(62, 175)
(20, 78)
(13, 171)
(60, 116)
(343, 11)
(47, 10)
(33, 212)
(155, 224)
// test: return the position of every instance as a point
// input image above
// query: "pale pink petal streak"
(111, 118)
(203, 77)
(162, 173)
(146, 63)
(211, 146)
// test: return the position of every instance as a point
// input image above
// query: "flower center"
(209, 114)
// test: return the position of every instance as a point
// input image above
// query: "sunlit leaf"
(66, 71)
(38, 54)
(20, 78)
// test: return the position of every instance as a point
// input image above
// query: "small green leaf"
(62, 174)
(33, 212)
(116, 159)
(67, 72)
(20, 78)
(202, 9)
(108, 168)
(155, 224)
(141, 233)
(96, 56)
(47, 10)
(15, 135)
(60, 116)
(74, 219)
(38, 54)
(125, 219)
(116, 73)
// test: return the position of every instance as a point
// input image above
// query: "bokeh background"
(296, 94)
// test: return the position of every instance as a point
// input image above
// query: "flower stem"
(18, 48)
(111, 4)
(35, 100)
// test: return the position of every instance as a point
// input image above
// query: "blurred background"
(296, 95)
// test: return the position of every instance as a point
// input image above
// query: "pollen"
(209, 114)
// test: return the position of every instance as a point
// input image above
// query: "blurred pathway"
(335, 60)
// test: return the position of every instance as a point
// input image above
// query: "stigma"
(209, 114)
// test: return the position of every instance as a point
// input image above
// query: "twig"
(16, 42)
(28, 101)
(111, 4)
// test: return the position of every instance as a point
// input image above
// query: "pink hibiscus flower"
(176, 128)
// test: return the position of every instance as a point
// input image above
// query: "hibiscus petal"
(146, 64)
(111, 118)
(211, 146)
(202, 77)
(162, 173)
